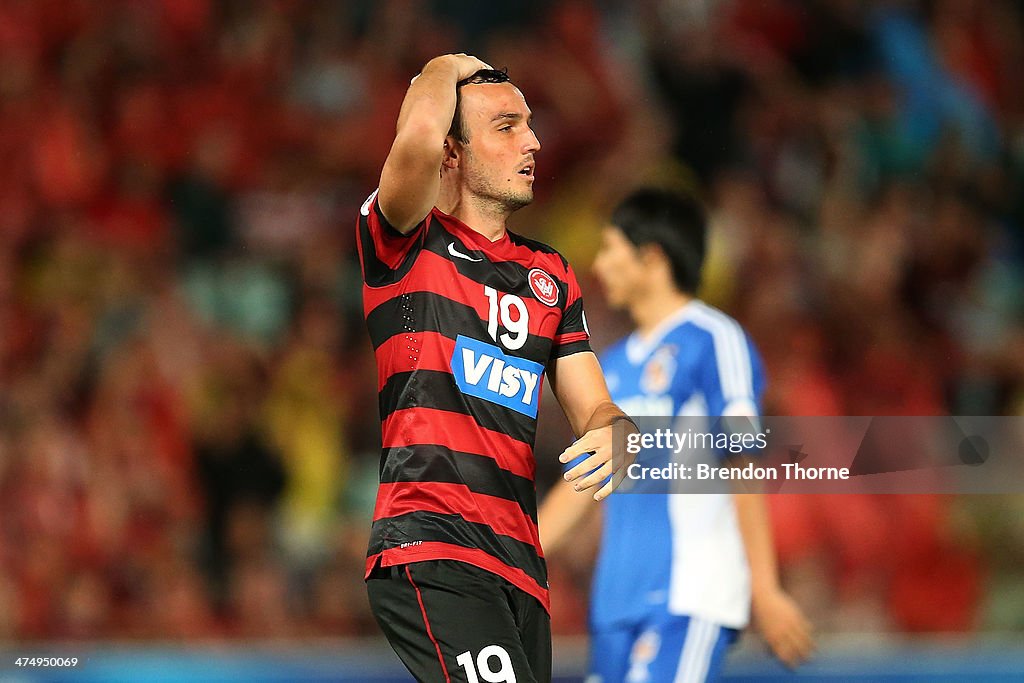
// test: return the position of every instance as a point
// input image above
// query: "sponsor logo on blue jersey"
(485, 371)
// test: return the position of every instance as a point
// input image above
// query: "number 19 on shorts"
(482, 666)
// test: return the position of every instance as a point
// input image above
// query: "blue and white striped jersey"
(681, 554)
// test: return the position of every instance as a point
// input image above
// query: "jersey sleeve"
(385, 254)
(572, 335)
(731, 375)
(732, 380)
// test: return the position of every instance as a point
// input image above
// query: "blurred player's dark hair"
(674, 222)
(457, 130)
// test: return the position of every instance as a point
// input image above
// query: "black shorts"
(452, 621)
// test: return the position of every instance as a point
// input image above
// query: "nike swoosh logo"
(365, 208)
(458, 254)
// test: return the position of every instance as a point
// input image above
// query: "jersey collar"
(638, 347)
(501, 247)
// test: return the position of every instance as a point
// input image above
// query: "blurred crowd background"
(188, 423)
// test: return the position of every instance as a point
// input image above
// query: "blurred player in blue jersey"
(678, 575)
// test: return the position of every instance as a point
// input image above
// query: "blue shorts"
(672, 649)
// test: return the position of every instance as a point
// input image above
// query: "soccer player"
(676, 572)
(465, 317)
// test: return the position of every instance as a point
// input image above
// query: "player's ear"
(452, 153)
(650, 255)
(654, 260)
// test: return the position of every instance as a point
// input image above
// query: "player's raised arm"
(411, 178)
(579, 385)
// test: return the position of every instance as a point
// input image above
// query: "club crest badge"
(644, 651)
(658, 372)
(544, 287)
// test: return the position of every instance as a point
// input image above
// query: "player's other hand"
(599, 473)
(784, 627)
(463, 65)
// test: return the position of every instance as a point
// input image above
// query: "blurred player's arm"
(579, 385)
(776, 615)
(778, 618)
(563, 511)
(411, 178)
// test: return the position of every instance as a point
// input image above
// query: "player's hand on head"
(784, 627)
(464, 65)
(599, 473)
(469, 65)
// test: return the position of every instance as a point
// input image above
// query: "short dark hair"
(458, 130)
(674, 222)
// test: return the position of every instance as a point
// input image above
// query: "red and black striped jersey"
(463, 329)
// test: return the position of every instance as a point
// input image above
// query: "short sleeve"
(730, 376)
(572, 335)
(732, 380)
(385, 254)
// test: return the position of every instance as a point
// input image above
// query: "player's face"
(618, 267)
(498, 161)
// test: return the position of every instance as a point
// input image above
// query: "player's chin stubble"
(509, 197)
(502, 191)
(515, 201)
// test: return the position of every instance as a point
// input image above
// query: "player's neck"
(650, 311)
(486, 218)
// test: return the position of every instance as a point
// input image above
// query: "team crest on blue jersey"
(485, 371)
(658, 372)
(645, 649)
